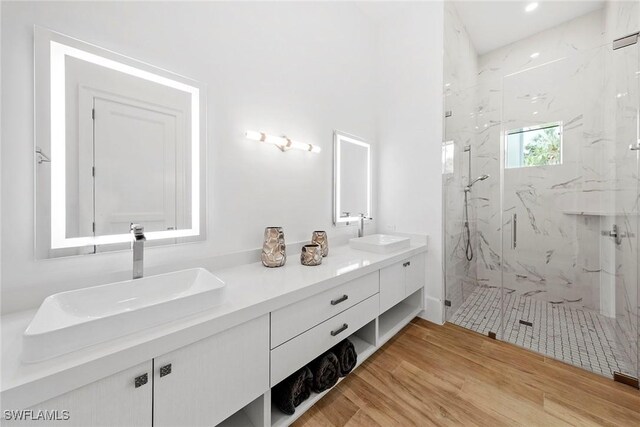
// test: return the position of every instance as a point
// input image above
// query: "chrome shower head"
(480, 178)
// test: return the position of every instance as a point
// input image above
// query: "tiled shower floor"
(579, 337)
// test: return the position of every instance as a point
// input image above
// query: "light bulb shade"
(281, 142)
(531, 7)
(250, 134)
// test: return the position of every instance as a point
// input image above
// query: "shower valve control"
(617, 234)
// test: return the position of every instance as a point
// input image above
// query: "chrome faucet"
(137, 244)
(361, 227)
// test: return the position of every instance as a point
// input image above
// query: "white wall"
(300, 69)
(410, 58)
(1, 145)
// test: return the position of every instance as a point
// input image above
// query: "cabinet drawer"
(392, 286)
(294, 354)
(298, 317)
(415, 273)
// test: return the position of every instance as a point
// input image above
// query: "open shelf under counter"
(364, 349)
(255, 414)
(239, 419)
(398, 316)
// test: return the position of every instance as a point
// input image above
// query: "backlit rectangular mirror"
(118, 141)
(352, 178)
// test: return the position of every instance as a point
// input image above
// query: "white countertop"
(251, 291)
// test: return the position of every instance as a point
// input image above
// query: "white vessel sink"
(380, 243)
(68, 321)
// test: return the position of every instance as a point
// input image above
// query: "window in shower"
(447, 157)
(534, 146)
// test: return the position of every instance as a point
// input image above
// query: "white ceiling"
(493, 24)
(386, 10)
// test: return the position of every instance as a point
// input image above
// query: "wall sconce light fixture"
(282, 142)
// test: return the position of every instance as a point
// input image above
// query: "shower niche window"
(534, 146)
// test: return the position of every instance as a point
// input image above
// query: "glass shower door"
(569, 208)
(460, 225)
(626, 81)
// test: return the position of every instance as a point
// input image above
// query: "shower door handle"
(514, 231)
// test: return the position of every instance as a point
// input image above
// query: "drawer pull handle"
(339, 300)
(340, 329)
(406, 264)
(141, 380)
(165, 370)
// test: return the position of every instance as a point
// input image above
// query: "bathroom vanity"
(191, 347)
(217, 367)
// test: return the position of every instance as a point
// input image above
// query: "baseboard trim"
(626, 379)
(434, 310)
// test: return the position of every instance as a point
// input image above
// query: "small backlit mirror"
(352, 178)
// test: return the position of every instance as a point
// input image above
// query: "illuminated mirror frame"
(340, 138)
(50, 49)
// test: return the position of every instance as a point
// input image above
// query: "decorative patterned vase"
(273, 249)
(320, 237)
(311, 254)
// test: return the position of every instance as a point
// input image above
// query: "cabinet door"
(415, 273)
(392, 286)
(112, 401)
(205, 382)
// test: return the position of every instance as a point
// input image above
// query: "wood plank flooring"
(447, 375)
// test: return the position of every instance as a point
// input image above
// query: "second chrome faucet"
(137, 244)
(362, 218)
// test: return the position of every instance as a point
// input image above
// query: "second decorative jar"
(311, 255)
(273, 249)
(320, 238)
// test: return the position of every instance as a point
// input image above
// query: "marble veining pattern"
(460, 64)
(580, 337)
(562, 258)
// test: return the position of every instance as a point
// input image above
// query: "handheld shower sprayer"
(467, 230)
(480, 178)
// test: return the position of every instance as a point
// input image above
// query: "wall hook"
(42, 158)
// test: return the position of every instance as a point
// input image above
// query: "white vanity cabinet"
(218, 377)
(205, 382)
(400, 280)
(302, 349)
(200, 384)
(414, 274)
(299, 317)
(123, 399)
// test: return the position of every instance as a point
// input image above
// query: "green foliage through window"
(539, 146)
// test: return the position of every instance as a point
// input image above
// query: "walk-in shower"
(545, 253)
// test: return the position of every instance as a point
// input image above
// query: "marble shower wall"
(460, 77)
(555, 258)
